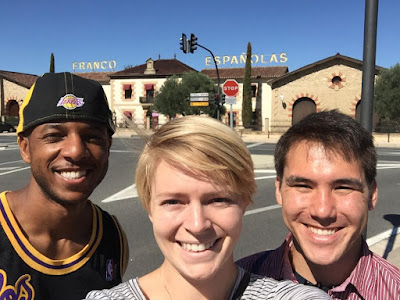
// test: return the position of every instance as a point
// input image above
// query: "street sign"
(230, 100)
(199, 97)
(230, 87)
(198, 103)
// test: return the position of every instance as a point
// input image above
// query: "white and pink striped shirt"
(372, 278)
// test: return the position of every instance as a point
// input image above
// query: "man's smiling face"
(325, 202)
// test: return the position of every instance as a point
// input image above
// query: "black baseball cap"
(64, 96)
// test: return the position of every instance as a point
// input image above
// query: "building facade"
(331, 83)
(280, 98)
(13, 89)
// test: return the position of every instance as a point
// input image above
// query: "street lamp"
(283, 103)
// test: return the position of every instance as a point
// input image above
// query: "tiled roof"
(163, 67)
(101, 77)
(238, 73)
(321, 64)
(25, 80)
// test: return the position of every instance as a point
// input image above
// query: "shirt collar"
(359, 274)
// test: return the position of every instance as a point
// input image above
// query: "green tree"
(52, 63)
(193, 82)
(169, 98)
(387, 95)
(173, 97)
(246, 103)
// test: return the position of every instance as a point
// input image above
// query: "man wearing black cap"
(55, 243)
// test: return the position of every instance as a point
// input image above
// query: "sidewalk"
(392, 242)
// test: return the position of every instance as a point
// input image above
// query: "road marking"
(264, 171)
(262, 209)
(384, 235)
(254, 145)
(9, 172)
(9, 148)
(123, 151)
(129, 192)
(11, 162)
(389, 153)
(8, 168)
(383, 166)
(265, 177)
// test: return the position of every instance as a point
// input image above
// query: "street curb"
(388, 243)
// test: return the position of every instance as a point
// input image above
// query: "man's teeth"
(73, 174)
(322, 231)
(197, 247)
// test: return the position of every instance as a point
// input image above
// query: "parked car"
(6, 127)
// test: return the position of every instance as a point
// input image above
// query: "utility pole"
(369, 53)
(190, 46)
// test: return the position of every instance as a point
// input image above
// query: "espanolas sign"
(94, 65)
(241, 59)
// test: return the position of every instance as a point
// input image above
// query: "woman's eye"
(170, 202)
(221, 200)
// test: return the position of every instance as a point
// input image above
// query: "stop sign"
(230, 87)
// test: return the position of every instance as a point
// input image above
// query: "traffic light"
(184, 43)
(222, 99)
(216, 99)
(193, 42)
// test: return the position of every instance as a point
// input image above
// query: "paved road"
(262, 226)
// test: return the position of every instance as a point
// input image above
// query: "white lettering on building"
(94, 65)
(255, 59)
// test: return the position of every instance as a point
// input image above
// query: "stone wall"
(13, 91)
(318, 86)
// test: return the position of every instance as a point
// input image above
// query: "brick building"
(13, 89)
(280, 98)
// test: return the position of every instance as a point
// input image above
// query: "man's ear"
(373, 196)
(23, 143)
(278, 194)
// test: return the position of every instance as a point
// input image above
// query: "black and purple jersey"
(25, 273)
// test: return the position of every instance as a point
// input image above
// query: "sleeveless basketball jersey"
(27, 274)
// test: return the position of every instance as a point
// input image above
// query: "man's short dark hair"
(337, 133)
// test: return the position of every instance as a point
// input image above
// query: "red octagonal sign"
(230, 87)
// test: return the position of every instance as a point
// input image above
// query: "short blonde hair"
(202, 146)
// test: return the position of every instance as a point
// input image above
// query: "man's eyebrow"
(346, 181)
(293, 179)
(350, 181)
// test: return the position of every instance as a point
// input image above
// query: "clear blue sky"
(130, 32)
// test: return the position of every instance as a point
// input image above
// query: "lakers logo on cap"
(70, 102)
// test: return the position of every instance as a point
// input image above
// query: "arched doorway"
(302, 108)
(12, 108)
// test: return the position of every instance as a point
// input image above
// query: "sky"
(130, 32)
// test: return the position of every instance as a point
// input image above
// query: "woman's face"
(196, 223)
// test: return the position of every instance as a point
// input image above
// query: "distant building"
(261, 78)
(133, 90)
(280, 98)
(332, 83)
(13, 89)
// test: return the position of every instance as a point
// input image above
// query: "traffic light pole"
(218, 81)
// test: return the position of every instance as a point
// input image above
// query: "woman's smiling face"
(196, 223)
